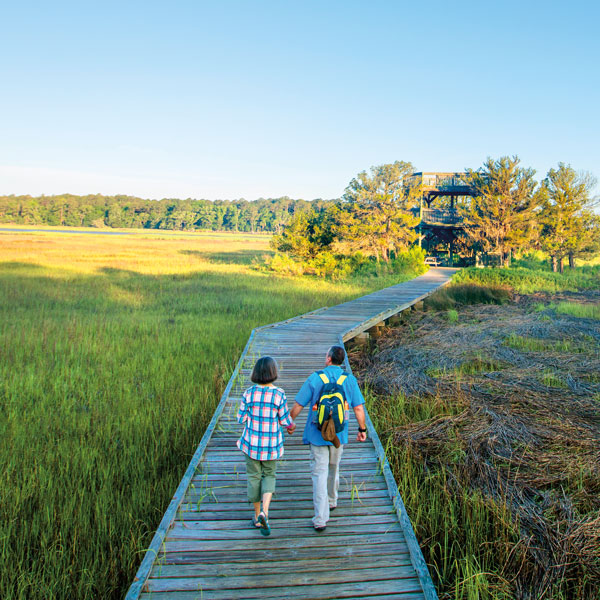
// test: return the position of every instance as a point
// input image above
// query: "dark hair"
(265, 370)
(337, 355)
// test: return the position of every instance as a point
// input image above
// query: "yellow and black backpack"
(331, 403)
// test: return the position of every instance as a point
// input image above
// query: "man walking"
(324, 456)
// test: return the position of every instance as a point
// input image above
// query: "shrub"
(470, 293)
(412, 259)
(282, 263)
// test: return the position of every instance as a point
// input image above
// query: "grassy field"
(114, 351)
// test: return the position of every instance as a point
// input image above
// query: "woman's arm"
(285, 420)
(242, 415)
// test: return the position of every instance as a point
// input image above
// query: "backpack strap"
(342, 378)
(323, 377)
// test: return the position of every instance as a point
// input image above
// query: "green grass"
(529, 344)
(471, 366)
(457, 294)
(452, 315)
(114, 355)
(577, 309)
(551, 379)
(526, 281)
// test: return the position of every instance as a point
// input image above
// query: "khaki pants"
(325, 473)
(261, 477)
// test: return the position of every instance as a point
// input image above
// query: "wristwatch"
(362, 430)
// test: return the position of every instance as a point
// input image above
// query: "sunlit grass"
(577, 309)
(529, 344)
(551, 379)
(527, 281)
(477, 363)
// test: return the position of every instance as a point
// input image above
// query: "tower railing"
(439, 216)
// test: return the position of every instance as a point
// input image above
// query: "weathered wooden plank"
(317, 540)
(243, 520)
(292, 579)
(280, 510)
(211, 496)
(284, 567)
(264, 553)
(346, 484)
(190, 530)
(331, 591)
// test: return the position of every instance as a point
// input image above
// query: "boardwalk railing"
(204, 548)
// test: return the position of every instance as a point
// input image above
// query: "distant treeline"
(263, 215)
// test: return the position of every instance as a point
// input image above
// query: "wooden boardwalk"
(205, 547)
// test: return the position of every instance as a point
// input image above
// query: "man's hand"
(291, 428)
(361, 436)
(359, 411)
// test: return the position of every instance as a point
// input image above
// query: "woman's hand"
(291, 428)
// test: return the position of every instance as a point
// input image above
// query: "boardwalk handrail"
(143, 572)
(416, 554)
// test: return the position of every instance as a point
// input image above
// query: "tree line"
(509, 212)
(263, 215)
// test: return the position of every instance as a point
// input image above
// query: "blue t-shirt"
(309, 395)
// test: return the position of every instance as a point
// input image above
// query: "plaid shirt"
(263, 410)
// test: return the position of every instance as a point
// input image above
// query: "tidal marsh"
(114, 351)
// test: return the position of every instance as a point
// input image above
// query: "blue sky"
(263, 99)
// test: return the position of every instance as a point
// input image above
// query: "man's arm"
(304, 396)
(296, 410)
(359, 413)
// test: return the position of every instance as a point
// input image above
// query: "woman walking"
(263, 412)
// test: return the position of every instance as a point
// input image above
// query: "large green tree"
(502, 216)
(567, 221)
(309, 233)
(375, 215)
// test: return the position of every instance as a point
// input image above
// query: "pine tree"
(501, 217)
(566, 219)
(375, 215)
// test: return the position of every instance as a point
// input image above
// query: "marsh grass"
(450, 520)
(577, 309)
(460, 294)
(452, 316)
(529, 280)
(529, 344)
(114, 353)
(477, 363)
(551, 379)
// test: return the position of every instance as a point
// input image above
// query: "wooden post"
(394, 319)
(418, 305)
(377, 330)
(361, 339)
